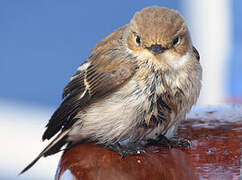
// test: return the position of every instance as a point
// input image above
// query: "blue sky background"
(235, 78)
(43, 42)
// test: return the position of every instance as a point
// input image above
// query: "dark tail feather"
(52, 148)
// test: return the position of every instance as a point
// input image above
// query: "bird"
(137, 85)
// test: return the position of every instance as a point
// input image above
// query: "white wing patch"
(83, 67)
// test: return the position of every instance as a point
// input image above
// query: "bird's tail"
(52, 148)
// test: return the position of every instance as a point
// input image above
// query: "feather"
(50, 149)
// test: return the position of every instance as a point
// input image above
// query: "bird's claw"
(126, 150)
(170, 143)
(182, 143)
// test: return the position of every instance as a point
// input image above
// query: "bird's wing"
(106, 69)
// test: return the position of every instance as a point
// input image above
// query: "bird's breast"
(170, 94)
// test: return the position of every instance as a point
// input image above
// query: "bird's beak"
(156, 48)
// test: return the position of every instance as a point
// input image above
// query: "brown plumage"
(138, 83)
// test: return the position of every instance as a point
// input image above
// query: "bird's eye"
(138, 40)
(176, 41)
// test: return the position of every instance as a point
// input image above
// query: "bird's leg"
(164, 141)
(126, 150)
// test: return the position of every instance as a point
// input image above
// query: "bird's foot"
(133, 149)
(182, 143)
(162, 140)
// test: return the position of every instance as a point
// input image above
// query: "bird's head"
(158, 33)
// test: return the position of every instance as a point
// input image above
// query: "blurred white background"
(42, 44)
